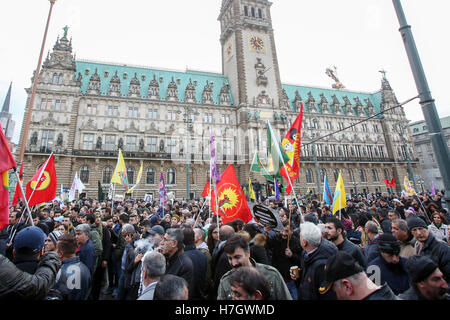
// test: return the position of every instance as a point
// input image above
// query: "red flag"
(205, 192)
(393, 182)
(42, 187)
(390, 183)
(17, 192)
(291, 144)
(6, 162)
(232, 201)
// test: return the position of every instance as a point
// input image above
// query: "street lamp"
(355, 184)
(189, 111)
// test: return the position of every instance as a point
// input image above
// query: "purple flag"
(214, 170)
(162, 190)
(433, 190)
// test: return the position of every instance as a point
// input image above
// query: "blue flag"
(327, 195)
(277, 190)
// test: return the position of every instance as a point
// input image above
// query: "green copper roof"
(420, 127)
(163, 77)
(375, 98)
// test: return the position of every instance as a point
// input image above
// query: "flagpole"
(39, 177)
(24, 197)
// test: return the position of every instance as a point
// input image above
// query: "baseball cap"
(339, 266)
(156, 230)
(30, 239)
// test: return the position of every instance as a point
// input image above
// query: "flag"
(339, 198)
(257, 166)
(7, 162)
(120, 173)
(162, 190)
(18, 192)
(250, 189)
(277, 189)
(291, 145)
(408, 188)
(433, 189)
(390, 183)
(205, 192)
(232, 203)
(137, 181)
(275, 153)
(327, 196)
(42, 186)
(214, 169)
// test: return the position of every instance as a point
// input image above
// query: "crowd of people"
(380, 247)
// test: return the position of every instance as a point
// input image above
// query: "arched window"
(130, 175)
(386, 173)
(253, 12)
(374, 175)
(362, 175)
(351, 175)
(84, 174)
(246, 11)
(191, 176)
(107, 175)
(309, 176)
(60, 78)
(55, 78)
(171, 176)
(323, 173)
(150, 176)
(336, 174)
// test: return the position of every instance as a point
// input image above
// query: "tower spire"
(7, 101)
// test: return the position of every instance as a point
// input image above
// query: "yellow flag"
(120, 169)
(339, 199)
(408, 187)
(250, 189)
(137, 181)
(5, 179)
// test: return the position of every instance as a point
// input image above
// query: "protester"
(153, 268)
(438, 227)
(427, 281)
(238, 253)
(407, 242)
(347, 279)
(248, 283)
(85, 250)
(199, 263)
(28, 248)
(371, 248)
(171, 287)
(52, 240)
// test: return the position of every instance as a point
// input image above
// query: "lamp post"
(426, 101)
(26, 125)
(355, 184)
(189, 111)
(421, 182)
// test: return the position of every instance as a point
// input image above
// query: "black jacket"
(280, 261)
(106, 244)
(384, 293)
(439, 252)
(313, 273)
(199, 262)
(258, 253)
(413, 294)
(354, 251)
(179, 264)
(16, 284)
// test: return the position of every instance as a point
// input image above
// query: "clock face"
(257, 43)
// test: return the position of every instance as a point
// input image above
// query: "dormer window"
(246, 11)
(260, 13)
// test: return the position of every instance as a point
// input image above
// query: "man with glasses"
(178, 263)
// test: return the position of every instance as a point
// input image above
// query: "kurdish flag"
(275, 153)
(257, 166)
(120, 173)
(327, 197)
(6, 162)
(339, 199)
(250, 189)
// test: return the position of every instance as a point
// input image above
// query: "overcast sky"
(359, 37)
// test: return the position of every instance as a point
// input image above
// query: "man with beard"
(427, 281)
(390, 264)
(238, 253)
(334, 231)
(283, 257)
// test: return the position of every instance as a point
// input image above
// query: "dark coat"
(16, 284)
(354, 251)
(439, 252)
(313, 273)
(179, 264)
(87, 256)
(28, 265)
(280, 261)
(413, 294)
(386, 225)
(394, 275)
(199, 262)
(107, 244)
(384, 293)
(371, 250)
(258, 253)
(221, 266)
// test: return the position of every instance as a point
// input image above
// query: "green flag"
(257, 166)
(275, 153)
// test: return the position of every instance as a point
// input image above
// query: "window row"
(149, 176)
(253, 12)
(346, 151)
(53, 105)
(314, 124)
(350, 175)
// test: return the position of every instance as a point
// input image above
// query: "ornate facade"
(85, 111)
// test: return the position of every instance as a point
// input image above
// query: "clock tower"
(249, 58)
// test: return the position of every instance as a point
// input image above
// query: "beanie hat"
(30, 239)
(389, 244)
(54, 235)
(415, 222)
(419, 268)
